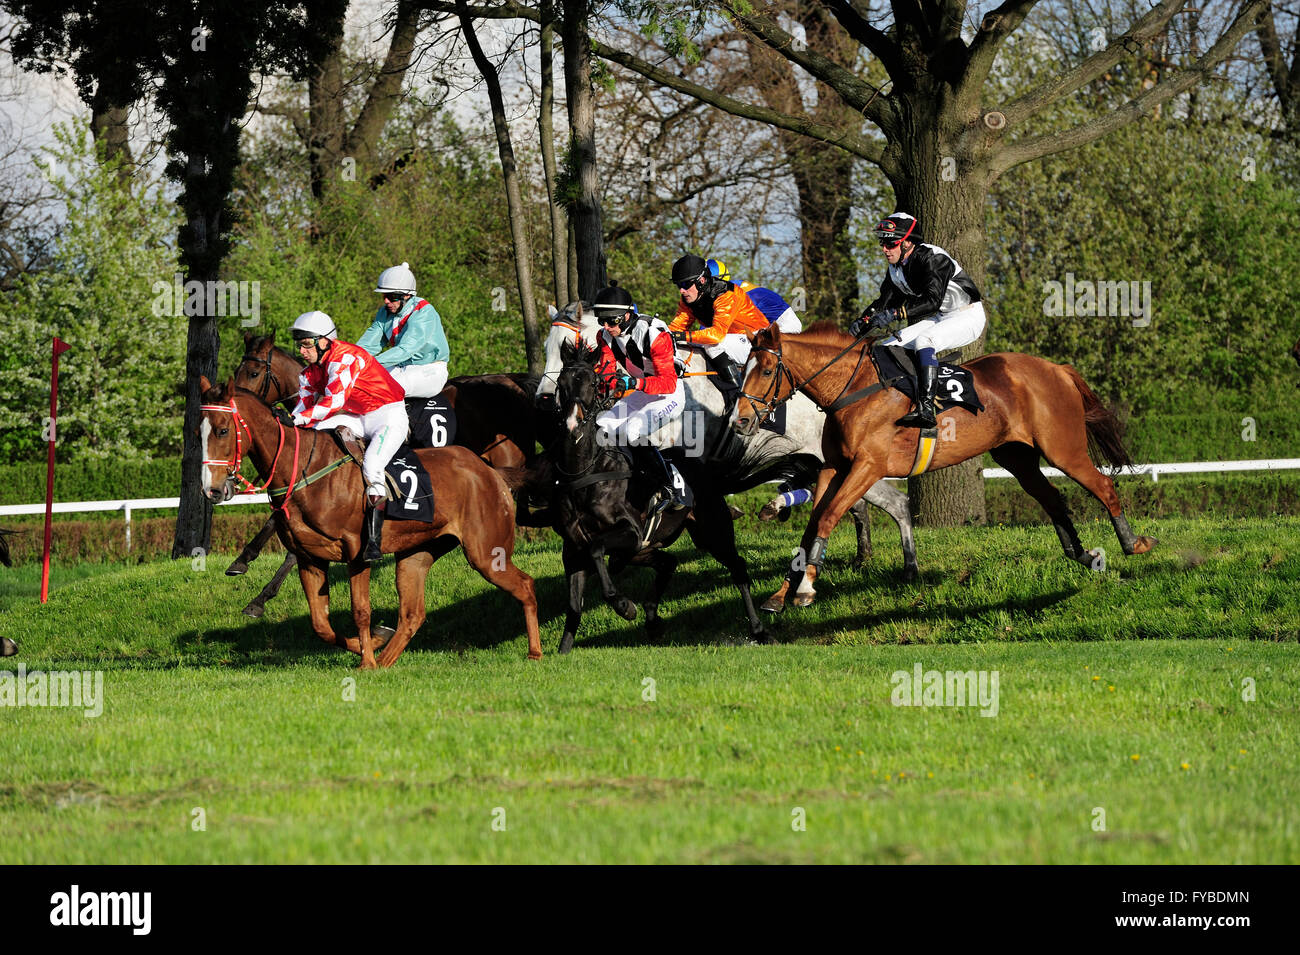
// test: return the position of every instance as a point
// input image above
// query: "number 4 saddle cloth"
(955, 387)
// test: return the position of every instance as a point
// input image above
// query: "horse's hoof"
(761, 638)
(566, 644)
(769, 512)
(773, 605)
(237, 569)
(368, 665)
(380, 635)
(736, 513)
(254, 610)
(804, 600)
(626, 609)
(1094, 560)
(537, 656)
(7, 647)
(1144, 544)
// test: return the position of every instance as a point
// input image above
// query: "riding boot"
(654, 465)
(922, 416)
(374, 533)
(728, 380)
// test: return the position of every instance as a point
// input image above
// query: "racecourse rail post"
(59, 348)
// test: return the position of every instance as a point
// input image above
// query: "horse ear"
(228, 389)
(568, 352)
(204, 385)
(591, 355)
(552, 312)
(248, 337)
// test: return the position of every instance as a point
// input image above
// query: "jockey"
(344, 384)
(724, 313)
(925, 287)
(406, 336)
(637, 352)
(770, 303)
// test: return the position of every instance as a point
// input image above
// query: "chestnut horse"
(494, 420)
(1033, 409)
(319, 516)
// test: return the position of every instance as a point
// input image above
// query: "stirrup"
(917, 418)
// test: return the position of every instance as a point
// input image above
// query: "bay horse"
(319, 516)
(494, 416)
(739, 463)
(598, 521)
(1033, 408)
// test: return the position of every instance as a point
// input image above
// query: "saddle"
(955, 387)
(410, 489)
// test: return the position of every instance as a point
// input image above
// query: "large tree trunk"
(951, 213)
(109, 124)
(824, 179)
(588, 226)
(325, 130)
(546, 130)
(514, 201)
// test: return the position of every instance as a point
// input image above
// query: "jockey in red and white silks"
(639, 351)
(343, 384)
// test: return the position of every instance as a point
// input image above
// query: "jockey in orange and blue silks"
(777, 310)
(723, 313)
(406, 335)
(925, 287)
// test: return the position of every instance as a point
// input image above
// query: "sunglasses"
(611, 320)
(393, 296)
(307, 342)
(890, 245)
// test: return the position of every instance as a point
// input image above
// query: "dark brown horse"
(494, 416)
(1033, 409)
(321, 521)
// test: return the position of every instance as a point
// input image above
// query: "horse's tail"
(4, 546)
(1105, 433)
(530, 477)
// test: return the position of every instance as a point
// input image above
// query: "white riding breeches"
(421, 381)
(634, 418)
(789, 323)
(384, 429)
(735, 347)
(944, 331)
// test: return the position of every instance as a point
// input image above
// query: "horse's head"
(580, 392)
(575, 324)
(267, 370)
(766, 381)
(222, 436)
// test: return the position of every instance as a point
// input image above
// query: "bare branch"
(1045, 145)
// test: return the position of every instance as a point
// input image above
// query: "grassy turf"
(257, 726)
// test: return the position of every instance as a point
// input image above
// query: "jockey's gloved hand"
(680, 338)
(883, 319)
(624, 383)
(679, 367)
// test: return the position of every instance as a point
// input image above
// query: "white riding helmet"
(314, 325)
(399, 278)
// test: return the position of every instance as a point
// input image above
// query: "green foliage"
(118, 384)
(106, 479)
(442, 212)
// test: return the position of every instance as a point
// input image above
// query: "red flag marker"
(59, 348)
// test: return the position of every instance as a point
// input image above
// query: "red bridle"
(234, 467)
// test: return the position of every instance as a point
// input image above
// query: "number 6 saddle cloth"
(955, 387)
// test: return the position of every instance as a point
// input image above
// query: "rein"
(768, 404)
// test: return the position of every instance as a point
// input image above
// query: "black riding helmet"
(614, 305)
(898, 227)
(690, 268)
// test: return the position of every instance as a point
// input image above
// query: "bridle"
(604, 401)
(264, 391)
(235, 465)
(767, 403)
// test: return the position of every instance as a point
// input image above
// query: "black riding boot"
(374, 533)
(728, 380)
(653, 464)
(922, 416)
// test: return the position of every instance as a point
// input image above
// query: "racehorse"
(793, 457)
(597, 520)
(473, 509)
(494, 415)
(7, 647)
(1033, 409)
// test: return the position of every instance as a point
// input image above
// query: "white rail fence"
(165, 503)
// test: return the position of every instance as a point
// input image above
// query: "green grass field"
(697, 749)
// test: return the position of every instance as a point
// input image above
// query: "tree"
(937, 140)
(198, 59)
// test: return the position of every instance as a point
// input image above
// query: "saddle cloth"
(433, 422)
(410, 491)
(955, 387)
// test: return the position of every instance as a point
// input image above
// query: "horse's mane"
(825, 332)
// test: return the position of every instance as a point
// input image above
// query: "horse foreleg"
(664, 564)
(894, 503)
(623, 537)
(359, 585)
(258, 604)
(841, 494)
(776, 602)
(714, 532)
(412, 572)
(575, 571)
(314, 574)
(862, 524)
(250, 552)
